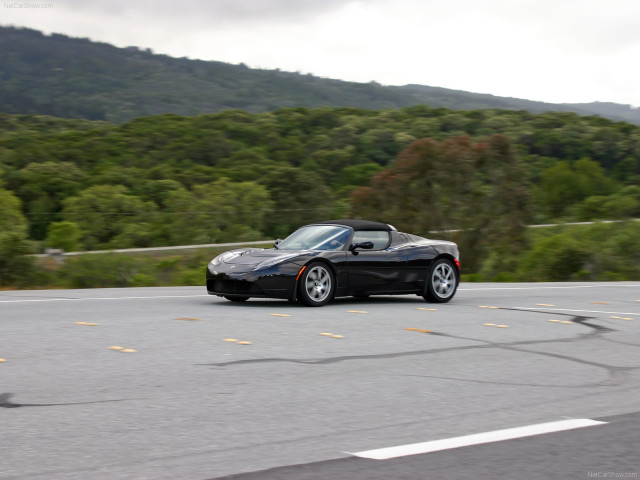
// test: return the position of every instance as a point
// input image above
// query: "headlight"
(224, 257)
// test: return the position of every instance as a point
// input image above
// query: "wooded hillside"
(77, 78)
(233, 176)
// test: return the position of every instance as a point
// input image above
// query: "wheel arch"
(429, 293)
(294, 294)
(453, 260)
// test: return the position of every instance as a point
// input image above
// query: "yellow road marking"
(357, 311)
(238, 342)
(279, 315)
(188, 318)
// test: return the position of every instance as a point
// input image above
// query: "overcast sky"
(547, 50)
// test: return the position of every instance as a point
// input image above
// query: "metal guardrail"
(58, 252)
(548, 225)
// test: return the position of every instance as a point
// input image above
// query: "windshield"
(316, 237)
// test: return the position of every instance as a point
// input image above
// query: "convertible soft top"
(359, 225)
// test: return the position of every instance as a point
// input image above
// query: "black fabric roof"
(359, 224)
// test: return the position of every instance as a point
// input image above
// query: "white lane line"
(97, 298)
(476, 439)
(471, 289)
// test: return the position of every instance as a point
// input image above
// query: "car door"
(379, 270)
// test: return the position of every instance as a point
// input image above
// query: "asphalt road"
(292, 402)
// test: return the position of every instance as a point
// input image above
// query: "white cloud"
(550, 50)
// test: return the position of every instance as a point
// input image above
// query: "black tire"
(442, 281)
(316, 285)
(234, 298)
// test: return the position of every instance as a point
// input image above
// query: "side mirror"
(277, 242)
(361, 245)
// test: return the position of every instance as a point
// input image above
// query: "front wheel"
(317, 285)
(442, 282)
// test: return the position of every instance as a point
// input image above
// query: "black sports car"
(338, 258)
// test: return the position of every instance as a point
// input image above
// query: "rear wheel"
(316, 285)
(442, 281)
(234, 298)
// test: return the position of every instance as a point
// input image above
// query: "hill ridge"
(71, 77)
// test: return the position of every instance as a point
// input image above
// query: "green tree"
(624, 203)
(566, 184)
(297, 198)
(11, 217)
(475, 194)
(16, 266)
(65, 235)
(428, 176)
(42, 188)
(556, 258)
(222, 211)
(104, 211)
(627, 170)
(246, 165)
(505, 211)
(156, 190)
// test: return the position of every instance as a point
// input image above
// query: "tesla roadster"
(338, 258)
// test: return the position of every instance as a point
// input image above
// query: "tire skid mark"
(5, 402)
(616, 375)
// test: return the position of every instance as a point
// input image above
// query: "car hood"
(256, 256)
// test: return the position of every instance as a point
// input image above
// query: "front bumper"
(226, 280)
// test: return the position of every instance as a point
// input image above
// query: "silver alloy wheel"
(318, 284)
(443, 280)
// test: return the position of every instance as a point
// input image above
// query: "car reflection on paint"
(338, 258)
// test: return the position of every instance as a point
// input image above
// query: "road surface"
(167, 383)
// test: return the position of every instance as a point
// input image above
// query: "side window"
(380, 239)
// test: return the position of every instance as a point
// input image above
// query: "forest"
(70, 77)
(479, 177)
